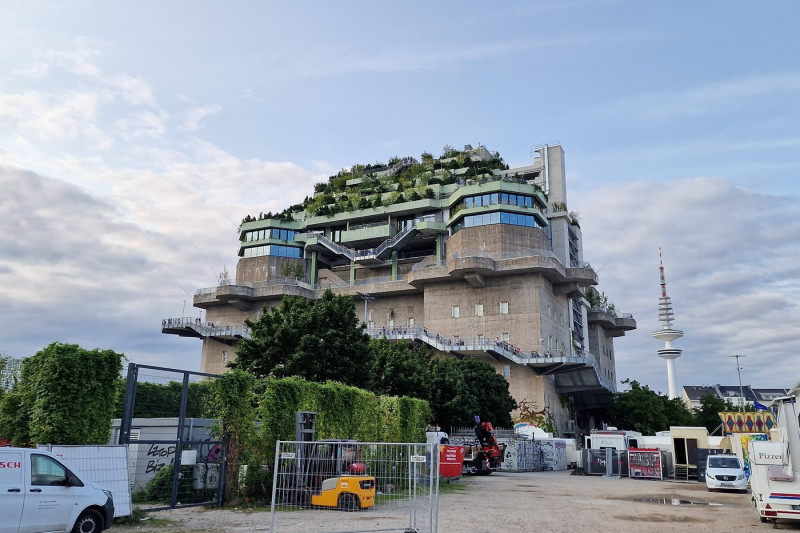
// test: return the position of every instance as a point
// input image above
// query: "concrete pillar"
(439, 238)
(394, 265)
(314, 269)
(352, 273)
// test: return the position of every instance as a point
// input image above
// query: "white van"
(725, 472)
(38, 494)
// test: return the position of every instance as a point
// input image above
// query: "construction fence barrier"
(348, 487)
(637, 463)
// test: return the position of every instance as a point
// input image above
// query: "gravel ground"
(521, 502)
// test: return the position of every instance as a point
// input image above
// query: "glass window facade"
(270, 233)
(503, 198)
(497, 217)
(274, 250)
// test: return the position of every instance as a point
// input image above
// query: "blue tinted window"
(528, 201)
(468, 202)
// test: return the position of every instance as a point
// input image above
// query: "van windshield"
(723, 462)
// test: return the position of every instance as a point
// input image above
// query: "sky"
(135, 136)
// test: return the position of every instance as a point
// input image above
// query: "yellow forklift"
(329, 473)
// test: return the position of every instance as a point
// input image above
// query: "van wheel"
(90, 521)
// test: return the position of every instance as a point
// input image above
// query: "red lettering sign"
(10, 464)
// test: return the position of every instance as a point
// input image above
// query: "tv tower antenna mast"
(666, 333)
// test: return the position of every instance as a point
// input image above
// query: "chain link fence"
(340, 486)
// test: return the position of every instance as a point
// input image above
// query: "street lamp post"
(739, 370)
(367, 298)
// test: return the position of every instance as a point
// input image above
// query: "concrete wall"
(497, 239)
(264, 268)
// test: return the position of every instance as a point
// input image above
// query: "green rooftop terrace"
(400, 180)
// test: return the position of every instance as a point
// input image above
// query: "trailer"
(611, 437)
(774, 464)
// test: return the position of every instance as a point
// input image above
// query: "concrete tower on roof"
(666, 333)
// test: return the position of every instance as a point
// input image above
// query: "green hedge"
(342, 412)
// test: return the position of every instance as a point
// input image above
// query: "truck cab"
(40, 493)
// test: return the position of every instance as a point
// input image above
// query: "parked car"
(725, 472)
(40, 493)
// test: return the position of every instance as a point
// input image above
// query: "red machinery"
(487, 456)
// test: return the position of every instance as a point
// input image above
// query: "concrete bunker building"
(461, 253)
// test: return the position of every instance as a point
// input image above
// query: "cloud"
(713, 98)
(730, 258)
(133, 91)
(146, 124)
(35, 70)
(80, 57)
(102, 268)
(194, 115)
(49, 117)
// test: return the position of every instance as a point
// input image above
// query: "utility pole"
(739, 370)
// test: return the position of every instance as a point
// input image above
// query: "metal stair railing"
(389, 243)
(333, 246)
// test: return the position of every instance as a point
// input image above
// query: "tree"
(461, 389)
(317, 340)
(490, 389)
(400, 371)
(65, 395)
(233, 399)
(708, 413)
(677, 413)
(291, 269)
(639, 409)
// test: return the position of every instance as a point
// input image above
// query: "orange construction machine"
(486, 455)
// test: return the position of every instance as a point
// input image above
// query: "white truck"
(39, 493)
(774, 464)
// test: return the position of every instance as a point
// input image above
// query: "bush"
(159, 488)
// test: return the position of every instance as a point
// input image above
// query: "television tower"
(666, 333)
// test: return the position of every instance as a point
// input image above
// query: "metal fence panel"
(105, 465)
(174, 460)
(349, 487)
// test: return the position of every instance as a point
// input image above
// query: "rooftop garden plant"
(379, 184)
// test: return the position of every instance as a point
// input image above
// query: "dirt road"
(538, 501)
